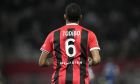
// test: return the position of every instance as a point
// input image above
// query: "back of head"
(73, 12)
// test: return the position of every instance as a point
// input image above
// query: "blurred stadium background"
(24, 24)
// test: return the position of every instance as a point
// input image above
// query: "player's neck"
(68, 22)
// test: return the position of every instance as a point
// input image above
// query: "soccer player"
(70, 45)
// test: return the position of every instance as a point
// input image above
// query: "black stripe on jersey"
(83, 57)
(69, 69)
(57, 54)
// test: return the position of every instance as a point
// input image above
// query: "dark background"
(24, 25)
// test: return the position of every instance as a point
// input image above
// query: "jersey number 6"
(68, 46)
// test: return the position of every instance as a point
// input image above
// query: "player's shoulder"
(88, 30)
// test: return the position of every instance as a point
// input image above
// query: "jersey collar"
(71, 24)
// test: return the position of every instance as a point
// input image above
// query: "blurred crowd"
(24, 25)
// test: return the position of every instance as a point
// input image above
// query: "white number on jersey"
(67, 47)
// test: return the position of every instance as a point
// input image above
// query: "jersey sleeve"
(47, 45)
(92, 41)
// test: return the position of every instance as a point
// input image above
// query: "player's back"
(70, 55)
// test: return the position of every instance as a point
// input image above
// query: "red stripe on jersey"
(62, 74)
(54, 63)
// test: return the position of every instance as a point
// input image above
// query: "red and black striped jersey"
(70, 46)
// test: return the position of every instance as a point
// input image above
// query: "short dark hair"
(73, 12)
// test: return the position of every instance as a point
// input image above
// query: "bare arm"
(95, 57)
(44, 61)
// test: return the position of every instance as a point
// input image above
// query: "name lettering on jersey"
(73, 62)
(71, 33)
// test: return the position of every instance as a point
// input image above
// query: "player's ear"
(65, 17)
